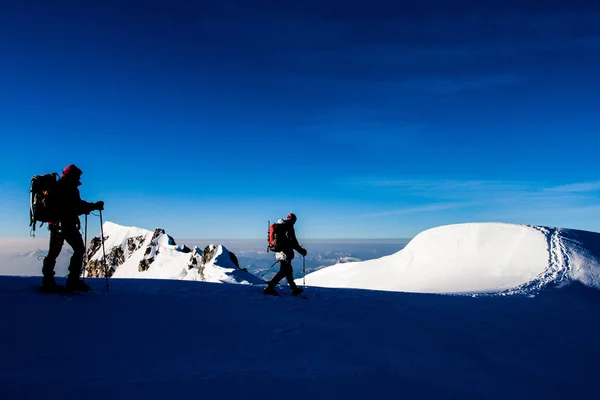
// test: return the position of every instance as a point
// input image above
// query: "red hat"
(292, 217)
(72, 172)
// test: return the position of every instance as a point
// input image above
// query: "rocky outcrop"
(95, 245)
(145, 264)
(195, 258)
(195, 261)
(134, 243)
(157, 233)
(95, 269)
(116, 256)
(208, 253)
(151, 250)
(135, 252)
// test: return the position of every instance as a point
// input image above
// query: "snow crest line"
(559, 265)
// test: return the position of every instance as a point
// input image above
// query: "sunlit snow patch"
(475, 258)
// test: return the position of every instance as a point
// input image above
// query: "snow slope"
(172, 339)
(133, 252)
(476, 257)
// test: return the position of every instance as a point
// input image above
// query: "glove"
(303, 252)
(99, 205)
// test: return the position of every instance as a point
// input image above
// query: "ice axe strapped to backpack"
(41, 202)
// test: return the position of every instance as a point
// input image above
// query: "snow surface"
(475, 258)
(156, 339)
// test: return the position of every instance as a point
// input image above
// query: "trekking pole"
(103, 250)
(303, 271)
(268, 227)
(85, 258)
(264, 273)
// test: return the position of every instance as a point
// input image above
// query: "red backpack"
(275, 237)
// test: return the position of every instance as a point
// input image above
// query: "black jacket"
(289, 241)
(69, 203)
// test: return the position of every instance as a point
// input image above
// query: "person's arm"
(85, 207)
(295, 243)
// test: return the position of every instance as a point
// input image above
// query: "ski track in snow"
(559, 265)
(556, 264)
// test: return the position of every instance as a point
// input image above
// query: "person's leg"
(290, 278)
(54, 249)
(284, 258)
(289, 274)
(74, 239)
(278, 276)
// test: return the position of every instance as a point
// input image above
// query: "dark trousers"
(285, 271)
(58, 236)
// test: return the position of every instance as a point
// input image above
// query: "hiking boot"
(270, 291)
(297, 291)
(49, 286)
(77, 285)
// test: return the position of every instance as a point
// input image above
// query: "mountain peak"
(133, 252)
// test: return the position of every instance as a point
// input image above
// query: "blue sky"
(208, 118)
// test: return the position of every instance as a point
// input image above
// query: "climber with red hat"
(69, 207)
(287, 243)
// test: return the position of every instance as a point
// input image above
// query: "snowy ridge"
(559, 266)
(581, 250)
(133, 252)
(476, 258)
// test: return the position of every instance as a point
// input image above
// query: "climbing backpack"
(276, 237)
(42, 207)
